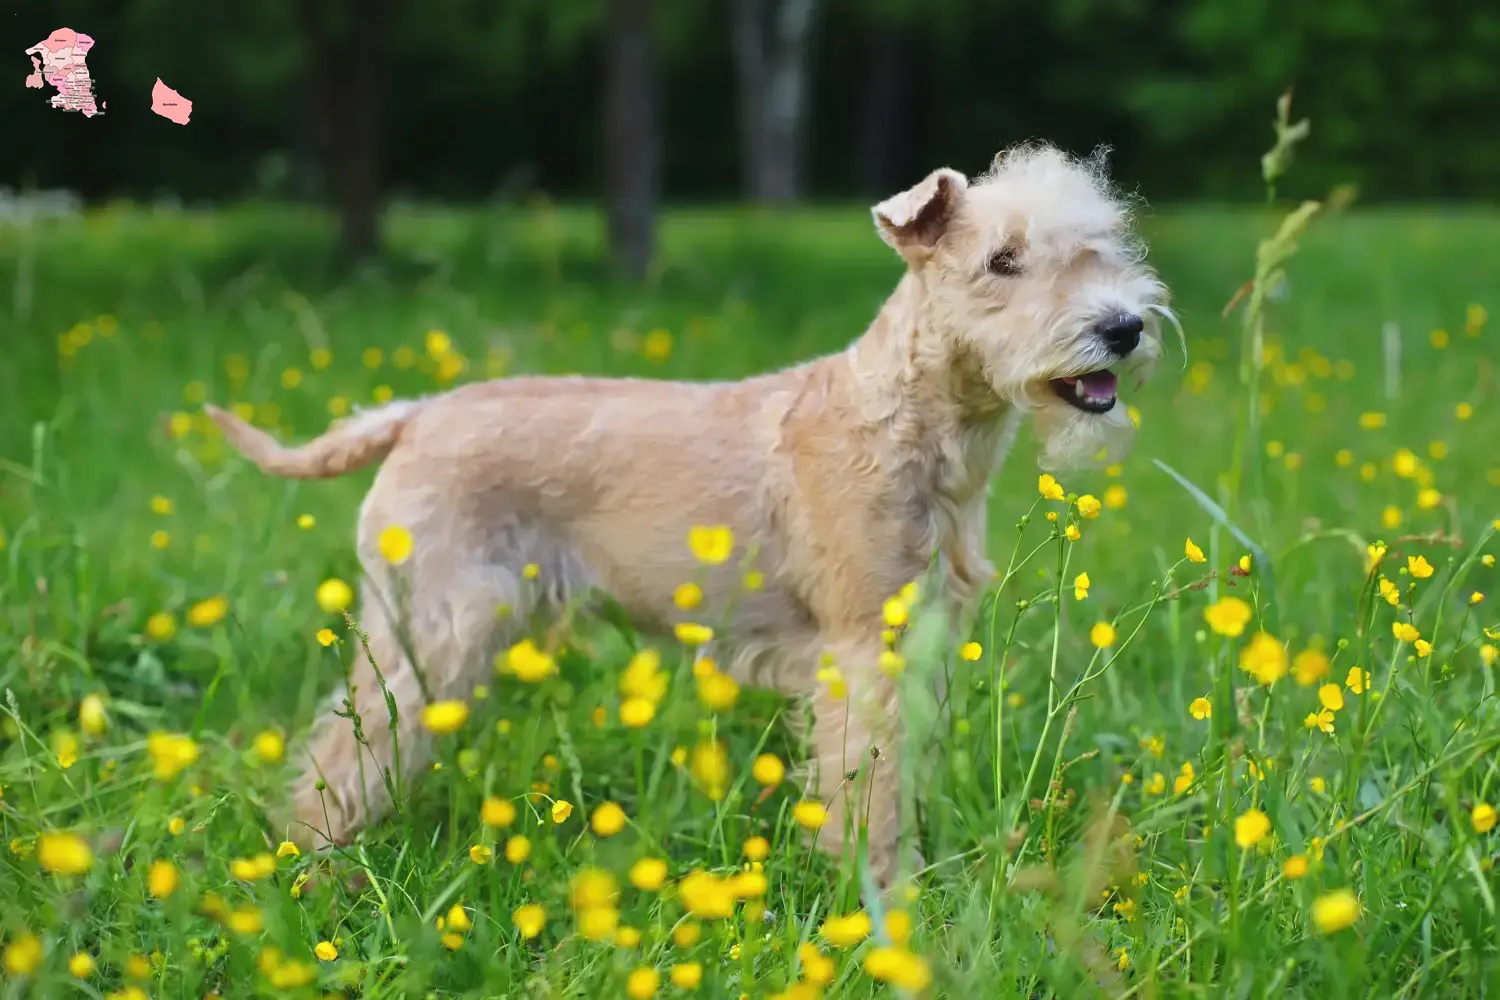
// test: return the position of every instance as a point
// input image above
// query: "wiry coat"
(844, 476)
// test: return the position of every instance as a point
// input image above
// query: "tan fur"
(844, 474)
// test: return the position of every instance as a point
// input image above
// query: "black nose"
(1122, 332)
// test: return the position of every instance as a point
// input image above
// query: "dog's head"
(1032, 277)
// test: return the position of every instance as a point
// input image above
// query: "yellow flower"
(161, 505)
(970, 651)
(269, 746)
(846, 931)
(1072, 533)
(642, 983)
(209, 612)
(334, 596)
(1428, 498)
(287, 849)
(160, 539)
(531, 571)
(648, 874)
(162, 879)
(687, 976)
(891, 663)
(444, 717)
(171, 754)
(711, 544)
(497, 812)
(437, 343)
(710, 767)
(1194, 553)
(1389, 592)
(756, 848)
(23, 956)
(325, 951)
(529, 919)
(1115, 496)
(754, 580)
(1294, 867)
(481, 854)
(1405, 632)
(1201, 709)
(768, 769)
(1488, 653)
(306, 522)
(1251, 827)
(458, 918)
(1321, 719)
(1335, 911)
(895, 612)
(686, 934)
(717, 691)
(1156, 784)
(707, 896)
(176, 825)
(1309, 667)
(161, 626)
(810, 814)
(898, 967)
(517, 849)
(691, 634)
(1463, 411)
(1419, 567)
(1123, 961)
(1372, 420)
(1102, 635)
(1390, 517)
(81, 965)
(1228, 616)
(1264, 658)
(607, 820)
(529, 663)
(687, 596)
(395, 544)
(1184, 779)
(326, 637)
(1332, 697)
(64, 853)
(1483, 817)
(591, 888)
(92, 717)
(1049, 487)
(561, 810)
(636, 712)
(1476, 597)
(1318, 784)
(1088, 506)
(1081, 587)
(252, 869)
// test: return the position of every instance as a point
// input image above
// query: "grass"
(1083, 836)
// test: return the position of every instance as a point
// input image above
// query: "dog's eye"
(1004, 262)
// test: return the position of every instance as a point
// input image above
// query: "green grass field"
(1264, 849)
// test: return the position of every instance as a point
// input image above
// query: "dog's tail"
(364, 438)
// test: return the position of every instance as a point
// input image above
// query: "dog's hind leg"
(435, 646)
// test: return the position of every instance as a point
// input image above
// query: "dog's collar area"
(1092, 392)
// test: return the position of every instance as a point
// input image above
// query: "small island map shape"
(170, 104)
(58, 59)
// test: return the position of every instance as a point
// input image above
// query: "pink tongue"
(1100, 384)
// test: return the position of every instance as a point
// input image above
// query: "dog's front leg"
(855, 744)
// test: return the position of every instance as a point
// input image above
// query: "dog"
(1025, 292)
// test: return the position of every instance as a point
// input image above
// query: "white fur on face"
(1067, 236)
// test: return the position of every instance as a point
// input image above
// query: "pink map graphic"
(59, 60)
(170, 104)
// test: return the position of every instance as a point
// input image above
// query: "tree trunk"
(347, 48)
(771, 47)
(879, 170)
(631, 136)
(748, 40)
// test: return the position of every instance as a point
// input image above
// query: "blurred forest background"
(633, 102)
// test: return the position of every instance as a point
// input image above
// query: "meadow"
(1236, 742)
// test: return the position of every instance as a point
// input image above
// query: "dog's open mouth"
(1091, 393)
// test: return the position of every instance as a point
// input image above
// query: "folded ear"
(916, 218)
